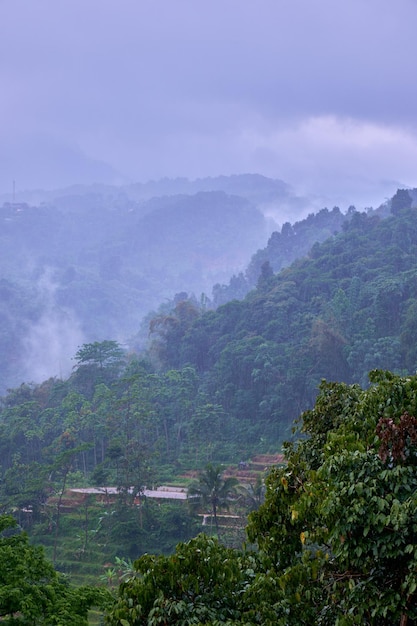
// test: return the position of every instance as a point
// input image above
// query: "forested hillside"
(86, 264)
(347, 308)
(90, 268)
(215, 386)
(291, 242)
(224, 384)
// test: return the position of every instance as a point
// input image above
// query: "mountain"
(88, 262)
(347, 307)
(94, 266)
(221, 385)
(275, 198)
(85, 269)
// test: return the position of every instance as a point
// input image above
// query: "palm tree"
(212, 490)
(253, 495)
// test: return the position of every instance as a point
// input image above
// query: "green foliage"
(252, 494)
(32, 592)
(400, 200)
(345, 309)
(336, 533)
(222, 385)
(102, 355)
(200, 583)
(229, 383)
(339, 521)
(292, 242)
(98, 362)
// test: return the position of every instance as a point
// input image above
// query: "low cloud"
(348, 160)
(51, 342)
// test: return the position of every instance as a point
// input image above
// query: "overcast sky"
(319, 93)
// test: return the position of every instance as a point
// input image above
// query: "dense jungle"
(204, 387)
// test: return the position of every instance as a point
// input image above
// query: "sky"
(319, 93)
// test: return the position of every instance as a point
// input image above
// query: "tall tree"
(400, 200)
(98, 362)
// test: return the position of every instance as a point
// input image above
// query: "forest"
(333, 541)
(335, 536)
(89, 264)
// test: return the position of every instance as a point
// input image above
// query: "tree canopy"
(32, 592)
(339, 522)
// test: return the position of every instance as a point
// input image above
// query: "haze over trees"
(87, 264)
(220, 385)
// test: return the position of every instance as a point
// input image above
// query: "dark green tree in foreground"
(32, 592)
(337, 533)
(200, 584)
(339, 524)
(212, 491)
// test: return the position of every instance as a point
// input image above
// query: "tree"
(253, 494)
(205, 429)
(24, 489)
(202, 583)
(400, 200)
(132, 427)
(98, 362)
(338, 524)
(168, 331)
(266, 273)
(101, 354)
(174, 396)
(32, 592)
(63, 463)
(212, 490)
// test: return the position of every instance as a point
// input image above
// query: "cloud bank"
(316, 93)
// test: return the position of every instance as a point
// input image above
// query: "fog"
(320, 95)
(109, 108)
(51, 342)
(87, 264)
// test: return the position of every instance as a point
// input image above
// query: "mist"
(110, 111)
(321, 96)
(52, 341)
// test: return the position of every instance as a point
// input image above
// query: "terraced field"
(81, 549)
